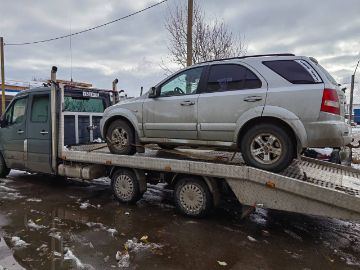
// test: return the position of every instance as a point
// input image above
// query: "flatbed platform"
(308, 186)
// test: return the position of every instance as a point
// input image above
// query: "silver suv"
(268, 107)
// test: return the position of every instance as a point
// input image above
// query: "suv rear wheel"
(120, 138)
(268, 147)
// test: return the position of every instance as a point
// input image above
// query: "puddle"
(61, 234)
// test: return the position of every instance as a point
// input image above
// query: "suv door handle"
(20, 131)
(43, 132)
(187, 103)
(253, 98)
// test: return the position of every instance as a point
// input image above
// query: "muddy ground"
(46, 224)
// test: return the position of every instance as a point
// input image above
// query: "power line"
(86, 30)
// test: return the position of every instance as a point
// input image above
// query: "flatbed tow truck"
(307, 186)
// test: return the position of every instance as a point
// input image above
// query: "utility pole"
(352, 93)
(189, 55)
(2, 75)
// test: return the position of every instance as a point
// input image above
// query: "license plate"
(90, 94)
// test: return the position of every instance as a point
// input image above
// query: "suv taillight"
(330, 101)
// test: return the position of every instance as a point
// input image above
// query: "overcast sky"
(133, 49)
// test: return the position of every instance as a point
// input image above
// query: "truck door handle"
(252, 98)
(43, 132)
(187, 103)
(20, 131)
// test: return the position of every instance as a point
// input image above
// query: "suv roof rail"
(248, 56)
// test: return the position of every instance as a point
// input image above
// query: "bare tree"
(211, 40)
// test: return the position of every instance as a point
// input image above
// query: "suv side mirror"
(154, 93)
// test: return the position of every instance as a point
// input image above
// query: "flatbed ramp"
(308, 186)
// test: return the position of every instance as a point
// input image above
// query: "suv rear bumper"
(328, 134)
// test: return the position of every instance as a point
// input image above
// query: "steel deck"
(306, 186)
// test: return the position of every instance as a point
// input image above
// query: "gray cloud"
(133, 49)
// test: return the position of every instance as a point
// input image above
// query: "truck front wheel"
(125, 186)
(4, 170)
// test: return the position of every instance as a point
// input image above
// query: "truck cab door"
(13, 133)
(39, 134)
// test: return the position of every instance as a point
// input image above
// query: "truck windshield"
(73, 104)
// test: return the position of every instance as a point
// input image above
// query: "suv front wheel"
(120, 138)
(268, 147)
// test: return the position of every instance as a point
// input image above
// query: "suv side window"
(231, 77)
(294, 71)
(185, 83)
(40, 109)
(16, 112)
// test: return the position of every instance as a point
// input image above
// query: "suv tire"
(120, 138)
(268, 147)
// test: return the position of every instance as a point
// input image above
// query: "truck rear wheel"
(125, 186)
(120, 138)
(4, 170)
(268, 147)
(193, 197)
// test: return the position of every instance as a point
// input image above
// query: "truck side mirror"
(153, 93)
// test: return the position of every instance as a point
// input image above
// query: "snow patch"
(33, 226)
(101, 226)
(7, 189)
(34, 200)
(98, 140)
(69, 255)
(323, 151)
(123, 259)
(102, 180)
(57, 254)
(86, 205)
(112, 231)
(55, 235)
(11, 196)
(135, 245)
(96, 225)
(17, 242)
(251, 239)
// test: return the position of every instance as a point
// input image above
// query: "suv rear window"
(231, 77)
(294, 71)
(327, 74)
